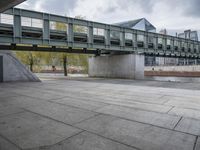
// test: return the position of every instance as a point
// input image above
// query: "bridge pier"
(11, 69)
(129, 66)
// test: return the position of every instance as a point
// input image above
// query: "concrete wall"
(128, 66)
(14, 70)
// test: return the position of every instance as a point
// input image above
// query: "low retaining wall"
(176, 71)
(172, 73)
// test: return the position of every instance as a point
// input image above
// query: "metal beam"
(46, 49)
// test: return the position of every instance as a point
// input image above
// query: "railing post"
(90, 35)
(145, 41)
(135, 41)
(155, 43)
(70, 35)
(17, 26)
(107, 37)
(172, 45)
(122, 39)
(164, 43)
(46, 29)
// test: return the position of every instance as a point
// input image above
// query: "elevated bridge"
(119, 52)
(29, 30)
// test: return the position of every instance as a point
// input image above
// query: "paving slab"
(142, 136)
(39, 94)
(22, 101)
(186, 98)
(183, 104)
(128, 97)
(189, 125)
(80, 103)
(5, 94)
(133, 104)
(189, 113)
(4, 111)
(63, 113)
(28, 130)
(6, 145)
(158, 119)
(87, 141)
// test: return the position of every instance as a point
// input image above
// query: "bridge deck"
(26, 27)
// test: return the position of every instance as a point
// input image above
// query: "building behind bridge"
(188, 34)
(145, 25)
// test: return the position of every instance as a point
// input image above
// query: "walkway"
(99, 114)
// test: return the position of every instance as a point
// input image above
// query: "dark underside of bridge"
(96, 52)
(6, 4)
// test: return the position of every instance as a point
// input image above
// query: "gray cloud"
(61, 6)
(173, 14)
(193, 8)
(53, 6)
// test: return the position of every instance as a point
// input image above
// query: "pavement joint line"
(109, 104)
(36, 97)
(9, 141)
(172, 107)
(178, 122)
(98, 114)
(48, 146)
(93, 110)
(54, 101)
(86, 119)
(13, 113)
(72, 125)
(82, 130)
(135, 100)
(145, 123)
(82, 99)
(119, 105)
(195, 144)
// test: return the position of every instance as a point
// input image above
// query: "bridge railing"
(18, 26)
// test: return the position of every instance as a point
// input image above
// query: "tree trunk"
(65, 65)
(31, 64)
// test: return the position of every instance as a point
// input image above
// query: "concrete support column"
(129, 66)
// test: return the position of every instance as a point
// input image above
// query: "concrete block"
(129, 66)
(28, 130)
(141, 136)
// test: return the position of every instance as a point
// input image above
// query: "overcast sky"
(169, 14)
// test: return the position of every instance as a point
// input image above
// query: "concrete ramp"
(11, 69)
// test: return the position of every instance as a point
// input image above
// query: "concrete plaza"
(99, 114)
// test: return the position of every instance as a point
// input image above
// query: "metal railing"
(37, 28)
